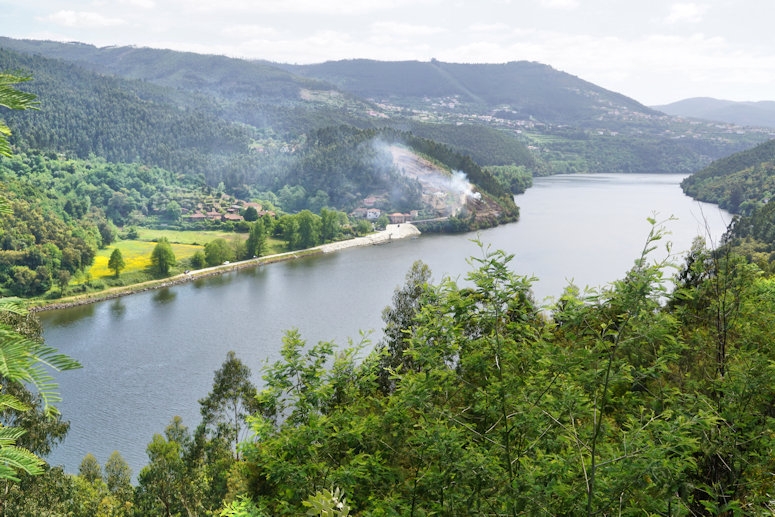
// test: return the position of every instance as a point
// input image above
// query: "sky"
(655, 51)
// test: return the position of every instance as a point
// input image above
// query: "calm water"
(151, 356)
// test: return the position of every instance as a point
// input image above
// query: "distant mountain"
(515, 90)
(761, 114)
(520, 113)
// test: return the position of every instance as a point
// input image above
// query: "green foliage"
(327, 503)
(90, 469)
(242, 507)
(398, 320)
(116, 262)
(628, 400)
(256, 244)
(517, 179)
(118, 476)
(233, 399)
(12, 98)
(136, 120)
(169, 484)
(162, 257)
(738, 183)
(218, 251)
(251, 214)
(198, 260)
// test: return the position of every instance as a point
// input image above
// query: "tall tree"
(218, 251)
(116, 262)
(162, 257)
(90, 469)
(256, 242)
(233, 399)
(118, 479)
(309, 229)
(165, 487)
(398, 320)
(329, 224)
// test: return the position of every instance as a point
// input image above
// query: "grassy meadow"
(137, 253)
(137, 257)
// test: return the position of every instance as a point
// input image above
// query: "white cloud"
(488, 28)
(405, 29)
(305, 7)
(143, 4)
(249, 32)
(560, 4)
(686, 13)
(83, 19)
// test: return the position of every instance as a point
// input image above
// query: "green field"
(187, 237)
(137, 253)
(137, 257)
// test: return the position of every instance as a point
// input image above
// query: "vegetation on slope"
(739, 183)
(630, 400)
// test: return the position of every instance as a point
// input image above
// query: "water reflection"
(214, 281)
(69, 316)
(164, 295)
(117, 308)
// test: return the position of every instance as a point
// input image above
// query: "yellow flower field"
(137, 256)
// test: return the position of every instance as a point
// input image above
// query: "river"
(151, 356)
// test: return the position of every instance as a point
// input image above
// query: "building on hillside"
(373, 214)
(397, 218)
(359, 212)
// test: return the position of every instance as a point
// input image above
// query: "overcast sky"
(655, 51)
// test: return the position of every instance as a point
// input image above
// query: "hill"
(760, 113)
(739, 183)
(516, 90)
(514, 113)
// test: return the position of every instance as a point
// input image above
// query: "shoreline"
(392, 231)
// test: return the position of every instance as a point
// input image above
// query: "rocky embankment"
(393, 231)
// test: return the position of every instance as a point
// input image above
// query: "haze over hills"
(516, 90)
(761, 113)
(520, 113)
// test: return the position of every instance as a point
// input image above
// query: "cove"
(150, 356)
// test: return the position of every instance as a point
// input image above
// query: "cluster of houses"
(232, 213)
(372, 214)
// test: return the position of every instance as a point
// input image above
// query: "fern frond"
(11, 402)
(15, 459)
(24, 360)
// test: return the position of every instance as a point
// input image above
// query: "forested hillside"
(630, 400)
(508, 114)
(744, 184)
(82, 114)
(524, 90)
(739, 183)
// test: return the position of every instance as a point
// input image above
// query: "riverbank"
(390, 233)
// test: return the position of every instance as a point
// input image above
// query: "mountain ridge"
(748, 113)
(522, 113)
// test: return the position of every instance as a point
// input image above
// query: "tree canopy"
(162, 257)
